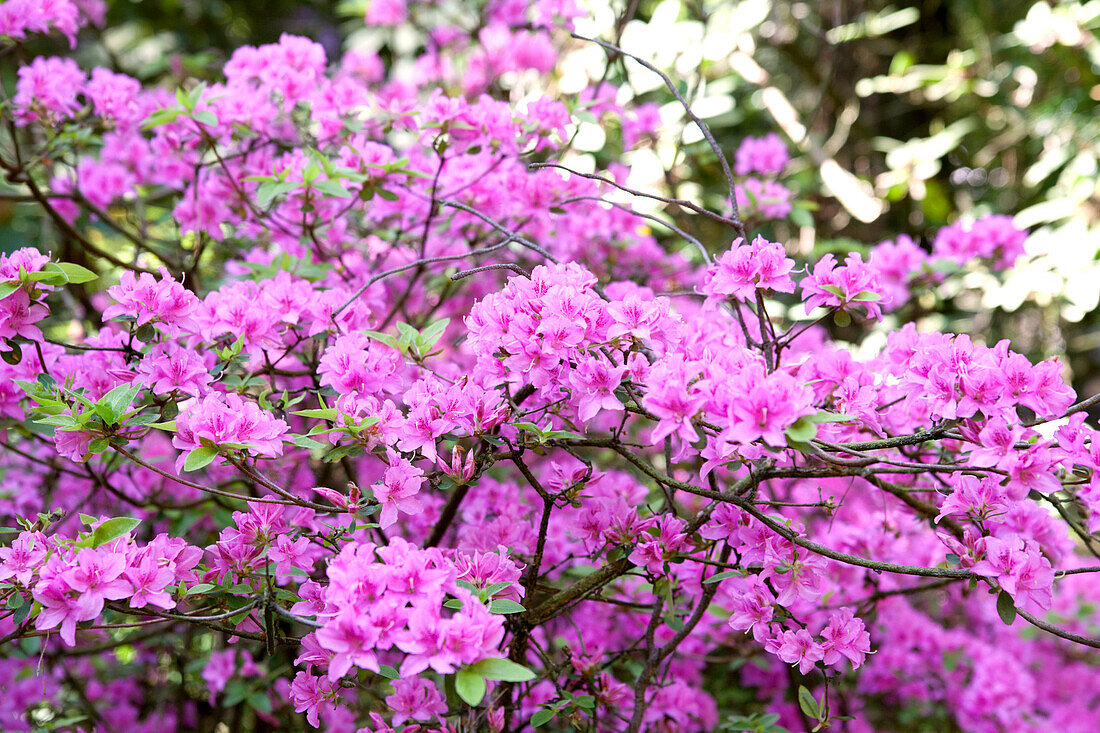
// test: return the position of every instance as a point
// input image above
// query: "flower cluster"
(406, 480)
(383, 599)
(72, 584)
(226, 421)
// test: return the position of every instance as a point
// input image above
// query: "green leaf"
(717, 577)
(112, 529)
(542, 717)
(506, 606)
(184, 100)
(387, 339)
(308, 443)
(1006, 608)
(407, 332)
(200, 588)
(834, 290)
(504, 670)
(21, 614)
(259, 701)
(206, 117)
(200, 457)
(119, 399)
(161, 117)
(332, 188)
(8, 287)
(267, 192)
(75, 274)
(431, 335)
(470, 686)
(866, 296)
(803, 430)
(328, 413)
(823, 417)
(388, 672)
(808, 703)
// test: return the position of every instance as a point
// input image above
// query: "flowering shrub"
(333, 394)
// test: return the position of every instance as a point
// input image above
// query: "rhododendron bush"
(333, 397)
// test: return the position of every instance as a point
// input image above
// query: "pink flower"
(149, 580)
(797, 647)
(47, 90)
(744, 269)
(417, 699)
(17, 314)
(168, 368)
(22, 559)
(845, 636)
(994, 238)
(766, 199)
(765, 155)
(1019, 569)
(854, 283)
(219, 669)
(397, 492)
(227, 419)
(594, 382)
(980, 499)
(165, 302)
(311, 695)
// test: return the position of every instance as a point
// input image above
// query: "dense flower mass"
(330, 406)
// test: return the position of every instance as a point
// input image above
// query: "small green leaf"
(161, 117)
(431, 334)
(200, 588)
(470, 686)
(542, 717)
(200, 457)
(388, 672)
(8, 287)
(824, 417)
(504, 670)
(506, 606)
(308, 443)
(206, 117)
(75, 273)
(332, 188)
(808, 703)
(112, 529)
(328, 413)
(803, 430)
(717, 577)
(1006, 608)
